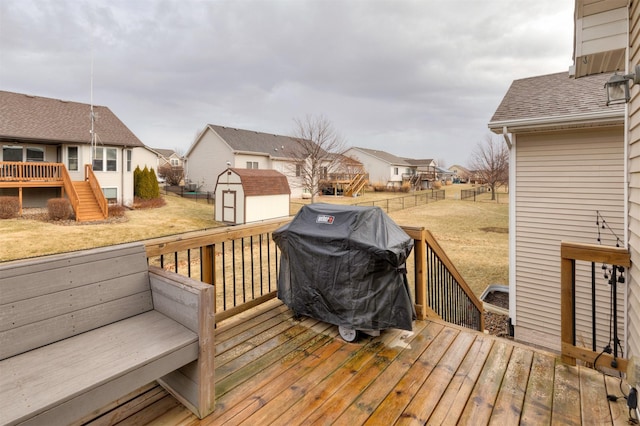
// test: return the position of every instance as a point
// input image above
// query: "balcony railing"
(615, 260)
(19, 171)
(243, 261)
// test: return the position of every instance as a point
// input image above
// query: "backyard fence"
(471, 194)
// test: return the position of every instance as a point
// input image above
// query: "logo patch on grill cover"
(325, 218)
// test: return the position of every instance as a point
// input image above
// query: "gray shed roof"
(553, 98)
(38, 119)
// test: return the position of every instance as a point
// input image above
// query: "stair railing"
(95, 188)
(72, 194)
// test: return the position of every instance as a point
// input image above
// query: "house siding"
(207, 158)
(633, 165)
(562, 179)
(380, 172)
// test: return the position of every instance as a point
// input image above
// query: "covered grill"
(345, 265)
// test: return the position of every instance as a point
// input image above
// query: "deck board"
(274, 368)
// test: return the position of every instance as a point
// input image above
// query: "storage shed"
(250, 195)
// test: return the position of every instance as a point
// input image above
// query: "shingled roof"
(262, 182)
(251, 141)
(37, 119)
(384, 156)
(553, 98)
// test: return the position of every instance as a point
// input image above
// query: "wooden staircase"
(357, 183)
(88, 206)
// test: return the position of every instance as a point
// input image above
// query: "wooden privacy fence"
(243, 261)
(619, 259)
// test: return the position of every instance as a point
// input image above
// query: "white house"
(217, 148)
(383, 168)
(56, 134)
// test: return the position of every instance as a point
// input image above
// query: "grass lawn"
(28, 238)
(474, 234)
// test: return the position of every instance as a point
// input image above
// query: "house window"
(11, 153)
(175, 162)
(111, 194)
(72, 158)
(252, 164)
(111, 155)
(129, 155)
(298, 170)
(35, 154)
(98, 160)
(112, 159)
(395, 171)
(323, 173)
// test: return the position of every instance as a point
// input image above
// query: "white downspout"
(511, 143)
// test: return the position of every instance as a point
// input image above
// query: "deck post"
(567, 307)
(420, 259)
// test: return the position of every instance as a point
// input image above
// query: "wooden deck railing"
(95, 188)
(570, 253)
(19, 171)
(243, 261)
(72, 194)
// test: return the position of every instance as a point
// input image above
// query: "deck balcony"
(86, 197)
(272, 367)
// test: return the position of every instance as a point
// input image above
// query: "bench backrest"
(47, 299)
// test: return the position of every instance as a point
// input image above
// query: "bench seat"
(80, 330)
(85, 366)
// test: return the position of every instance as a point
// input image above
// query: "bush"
(145, 183)
(405, 187)
(9, 207)
(379, 187)
(59, 209)
(116, 210)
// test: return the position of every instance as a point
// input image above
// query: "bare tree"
(319, 150)
(490, 162)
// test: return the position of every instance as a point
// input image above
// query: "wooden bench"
(80, 330)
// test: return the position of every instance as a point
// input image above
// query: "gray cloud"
(415, 78)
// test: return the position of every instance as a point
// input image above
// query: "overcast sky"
(419, 79)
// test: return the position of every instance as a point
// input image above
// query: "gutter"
(613, 117)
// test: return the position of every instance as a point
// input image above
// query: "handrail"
(570, 253)
(226, 255)
(95, 188)
(449, 294)
(72, 194)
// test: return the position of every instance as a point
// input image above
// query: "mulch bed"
(497, 324)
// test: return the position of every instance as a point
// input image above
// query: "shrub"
(145, 184)
(405, 187)
(59, 209)
(9, 207)
(116, 210)
(379, 187)
(139, 203)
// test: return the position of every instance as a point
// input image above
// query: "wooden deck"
(272, 368)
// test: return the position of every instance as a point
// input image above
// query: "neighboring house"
(250, 195)
(50, 136)
(217, 147)
(168, 157)
(383, 168)
(461, 173)
(567, 165)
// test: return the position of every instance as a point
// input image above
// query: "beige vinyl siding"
(633, 303)
(562, 180)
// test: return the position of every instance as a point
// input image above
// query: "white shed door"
(229, 206)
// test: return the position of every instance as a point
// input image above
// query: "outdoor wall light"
(618, 87)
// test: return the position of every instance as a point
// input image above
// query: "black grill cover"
(345, 265)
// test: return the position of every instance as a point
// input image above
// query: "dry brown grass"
(23, 238)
